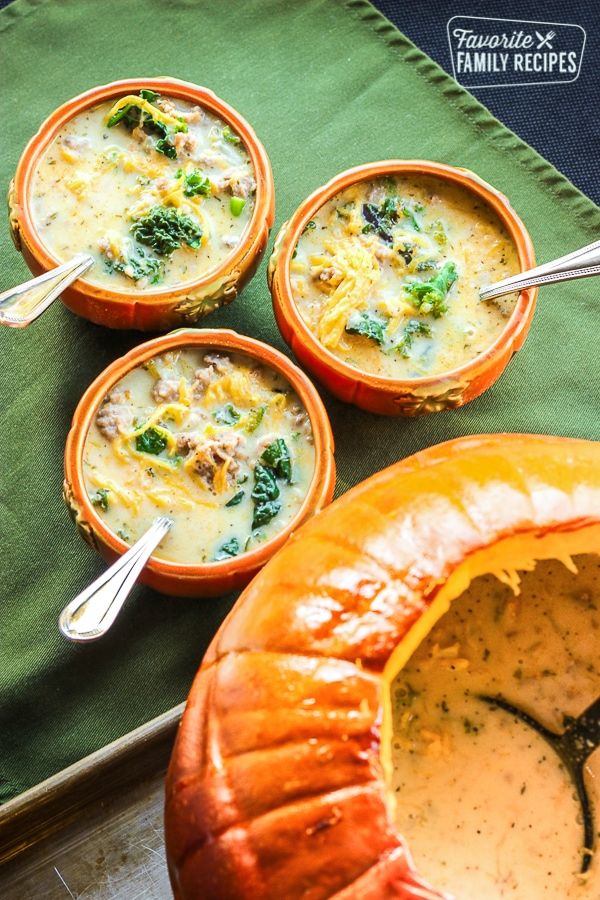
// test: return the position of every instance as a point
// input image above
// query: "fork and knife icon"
(545, 41)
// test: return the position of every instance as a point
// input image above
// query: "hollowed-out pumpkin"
(278, 787)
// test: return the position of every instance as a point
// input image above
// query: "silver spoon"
(578, 264)
(21, 305)
(579, 739)
(90, 615)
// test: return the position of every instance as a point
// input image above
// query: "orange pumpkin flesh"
(277, 784)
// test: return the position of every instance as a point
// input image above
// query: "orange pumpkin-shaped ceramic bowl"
(153, 309)
(391, 396)
(280, 783)
(212, 578)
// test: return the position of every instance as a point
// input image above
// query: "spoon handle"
(21, 305)
(579, 264)
(89, 615)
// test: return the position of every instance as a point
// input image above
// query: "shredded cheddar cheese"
(156, 113)
(360, 273)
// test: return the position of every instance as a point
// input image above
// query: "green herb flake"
(236, 499)
(470, 727)
(150, 441)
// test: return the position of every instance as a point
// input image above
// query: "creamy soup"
(387, 275)
(216, 441)
(157, 190)
(487, 806)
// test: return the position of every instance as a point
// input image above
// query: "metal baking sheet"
(95, 830)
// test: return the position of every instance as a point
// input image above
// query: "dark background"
(561, 121)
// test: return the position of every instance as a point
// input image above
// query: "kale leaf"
(166, 146)
(277, 457)
(137, 266)
(254, 418)
(165, 230)
(150, 441)
(275, 462)
(368, 324)
(100, 499)
(379, 221)
(430, 296)
(409, 210)
(382, 218)
(133, 116)
(415, 328)
(265, 484)
(264, 512)
(264, 494)
(227, 415)
(231, 548)
(148, 95)
(196, 183)
(237, 498)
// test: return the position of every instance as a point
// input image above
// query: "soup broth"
(217, 441)
(485, 803)
(387, 275)
(159, 191)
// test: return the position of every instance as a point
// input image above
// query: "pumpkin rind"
(275, 789)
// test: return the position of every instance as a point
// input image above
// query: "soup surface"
(216, 441)
(157, 190)
(485, 803)
(387, 275)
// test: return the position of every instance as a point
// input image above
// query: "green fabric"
(327, 85)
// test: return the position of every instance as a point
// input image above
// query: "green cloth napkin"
(327, 84)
